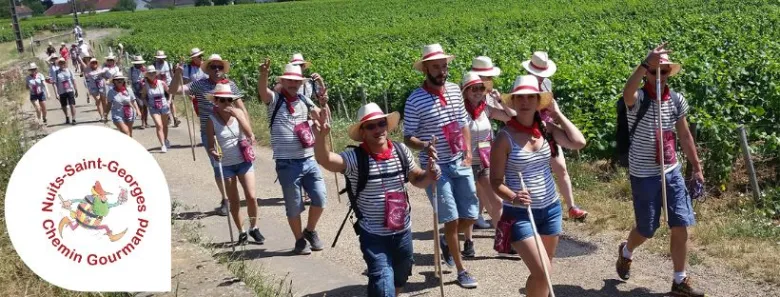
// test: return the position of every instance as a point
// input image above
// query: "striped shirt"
(371, 202)
(136, 78)
(199, 89)
(284, 142)
(642, 153)
(110, 71)
(64, 81)
(192, 73)
(481, 130)
(424, 116)
(95, 80)
(537, 173)
(228, 137)
(36, 84)
(164, 71)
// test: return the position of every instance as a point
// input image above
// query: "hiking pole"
(537, 240)
(224, 192)
(330, 138)
(661, 142)
(344, 222)
(436, 248)
(187, 115)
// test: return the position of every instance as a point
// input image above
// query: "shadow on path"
(609, 290)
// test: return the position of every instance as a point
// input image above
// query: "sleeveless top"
(228, 137)
(537, 173)
(153, 94)
(481, 130)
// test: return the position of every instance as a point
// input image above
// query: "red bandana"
(122, 89)
(650, 91)
(476, 111)
(152, 82)
(290, 98)
(439, 93)
(533, 130)
(382, 156)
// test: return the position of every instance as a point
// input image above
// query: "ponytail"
(547, 136)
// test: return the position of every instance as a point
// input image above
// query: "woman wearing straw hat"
(542, 68)
(384, 222)
(153, 96)
(110, 68)
(124, 108)
(164, 74)
(66, 88)
(526, 146)
(96, 86)
(138, 80)
(36, 83)
(235, 138)
(480, 114)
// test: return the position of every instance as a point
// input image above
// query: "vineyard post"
(246, 82)
(344, 105)
(387, 109)
(363, 94)
(749, 163)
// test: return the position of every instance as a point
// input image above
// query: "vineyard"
(730, 51)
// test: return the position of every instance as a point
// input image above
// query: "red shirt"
(64, 53)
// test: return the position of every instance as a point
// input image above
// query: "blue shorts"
(294, 173)
(38, 97)
(457, 193)
(647, 202)
(164, 111)
(548, 221)
(234, 170)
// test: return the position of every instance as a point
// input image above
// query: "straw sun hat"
(215, 58)
(195, 52)
(483, 66)
(432, 52)
(138, 60)
(540, 65)
(527, 84)
(370, 112)
(675, 67)
(222, 90)
(297, 59)
(291, 72)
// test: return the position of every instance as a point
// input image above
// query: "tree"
(202, 3)
(124, 5)
(47, 3)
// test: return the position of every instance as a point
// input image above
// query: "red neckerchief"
(290, 100)
(152, 82)
(650, 91)
(439, 93)
(533, 130)
(122, 89)
(475, 111)
(192, 64)
(142, 68)
(381, 156)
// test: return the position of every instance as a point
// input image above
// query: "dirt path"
(584, 265)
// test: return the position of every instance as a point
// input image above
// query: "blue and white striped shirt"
(641, 155)
(536, 170)
(284, 142)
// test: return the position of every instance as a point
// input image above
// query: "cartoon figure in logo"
(91, 210)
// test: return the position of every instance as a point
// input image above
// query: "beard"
(436, 80)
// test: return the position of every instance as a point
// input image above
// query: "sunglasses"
(216, 67)
(223, 100)
(372, 127)
(663, 72)
(478, 89)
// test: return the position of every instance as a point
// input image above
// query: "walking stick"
(344, 222)
(330, 138)
(436, 248)
(537, 241)
(661, 142)
(222, 178)
(187, 115)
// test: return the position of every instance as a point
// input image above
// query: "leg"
(122, 127)
(453, 243)
(248, 182)
(157, 118)
(381, 276)
(289, 173)
(99, 105)
(129, 128)
(402, 259)
(679, 248)
(464, 193)
(42, 104)
(489, 199)
(165, 127)
(681, 217)
(314, 184)
(145, 116)
(222, 209)
(64, 106)
(646, 194)
(231, 186)
(37, 108)
(536, 284)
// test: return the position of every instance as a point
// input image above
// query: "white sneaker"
(164, 149)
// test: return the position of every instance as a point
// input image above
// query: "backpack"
(278, 105)
(624, 134)
(362, 164)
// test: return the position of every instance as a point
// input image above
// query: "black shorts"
(67, 99)
(37, 97)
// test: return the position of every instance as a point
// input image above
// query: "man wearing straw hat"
(384, 221)
(164, 74)
(74, 57)
(436, 108)
(66, 88)
(542, 68)
(215, 68)
(293, 146)
(644, 166)
(137, 73)
(192, 70)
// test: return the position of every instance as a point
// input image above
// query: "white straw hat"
(370, 112)
(432, 52)
(32, 66)
(483, 66)
(160, 55)
(138, 60)
(214, 57)
(222, 90)
(111, 57)
(469, 79)
(118, 75)
(151, 69)
(195, 52)
(540, 65)
(527, 84)
(676, 67)
(297, 59)
(292, 72)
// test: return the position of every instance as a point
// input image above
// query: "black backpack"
(623, 134)
(362, 161)
(279, 101)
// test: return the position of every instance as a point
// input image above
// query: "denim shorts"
(548, 221)
(457, 193)
(647, 202)
(164, 111)
(234, 170)
(294, 173)
(38, 97)
(389, 259)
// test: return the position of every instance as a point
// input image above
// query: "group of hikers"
(465, 168)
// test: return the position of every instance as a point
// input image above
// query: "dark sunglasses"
(371, 127)
(478, 89)
(216, 67)
(663, 72)
(223, 100)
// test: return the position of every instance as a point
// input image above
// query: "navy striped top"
(536, 170)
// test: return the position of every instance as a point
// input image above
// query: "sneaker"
(623, 265)
(577, 214)
(445, 252)
(176, 122)
(242, 238)
(466, 280)
(73, 122)
(67, 120)
(257, 236)
(468, 249)
(164, 148)
(302, 247)
(222, 210)
(684, 289)
(481, 223)
(167, 143)
(311, 237)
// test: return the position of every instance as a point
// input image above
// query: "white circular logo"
(88, 209)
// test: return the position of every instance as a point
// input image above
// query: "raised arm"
(265, 94)
(652, 61)
(176, 86)
(322, 153)
(567, 135)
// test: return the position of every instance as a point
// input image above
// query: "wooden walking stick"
(660, 136)
(222, 178)
(537, 241)
(330, 139)
(187, 115)
(436, 248)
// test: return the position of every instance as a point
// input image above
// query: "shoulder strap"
(276, 110)
(362, 159)
(403, 159)
(677, 104)
(642, 110)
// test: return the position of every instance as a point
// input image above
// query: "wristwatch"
(645, 65)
